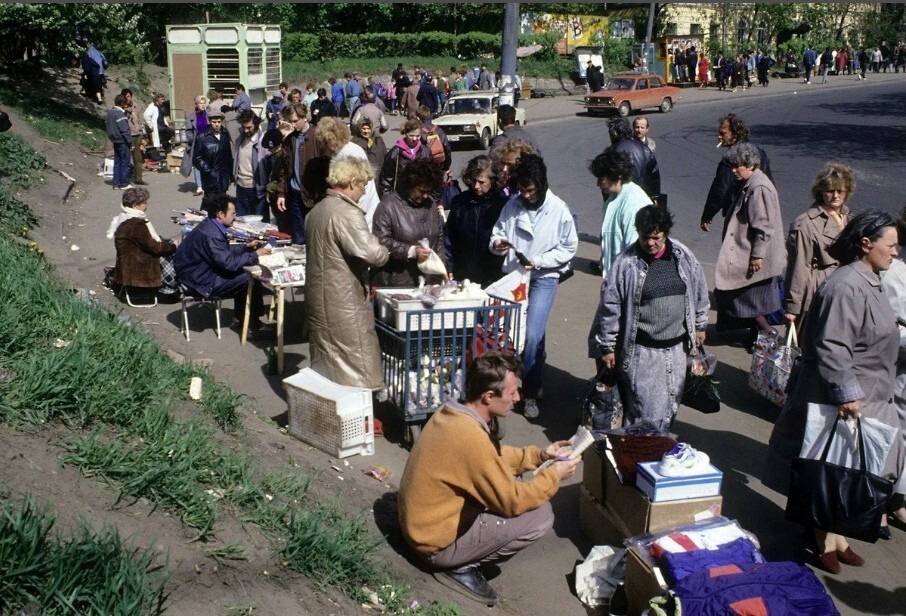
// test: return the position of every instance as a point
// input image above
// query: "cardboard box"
(598, 524)
(642, 582)
(627, 509)
(661, 488)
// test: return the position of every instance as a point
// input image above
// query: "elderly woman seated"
(141, 254)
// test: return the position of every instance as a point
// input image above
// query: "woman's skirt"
(736, 306)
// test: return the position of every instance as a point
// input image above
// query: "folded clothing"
(680, 565)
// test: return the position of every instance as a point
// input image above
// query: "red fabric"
(753, 606)
(724, 570)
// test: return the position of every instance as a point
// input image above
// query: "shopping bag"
(603, 407)
(700, 391)
(433, 265)
(838, 499)
(877, 436)
(514, 287)
(772, 363)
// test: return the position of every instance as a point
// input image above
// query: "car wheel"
(624, 109)
(485, 139)
(666, 105)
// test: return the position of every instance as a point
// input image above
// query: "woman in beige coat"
(752, 257)
(340, 249)
(810, 235)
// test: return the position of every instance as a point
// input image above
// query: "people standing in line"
(462, 501)
(731, 130)
(118, 131)
(196, 125)
(251, 182)
(848, 362)
(752, 259)
(137, 129)
(811, 234)
(340, 248)
(538, 225)
(472, 216)
(679, 58)
(692, 64)
(212, 155)
(653, 311)
(640, 128)
(809, 59)
(645, 171)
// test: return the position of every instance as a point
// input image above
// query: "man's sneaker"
(469, 582)
(531, 410)
(683, 460)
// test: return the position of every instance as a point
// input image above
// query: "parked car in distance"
(471, 118)
(625, 92)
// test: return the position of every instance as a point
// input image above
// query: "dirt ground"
(72, 235)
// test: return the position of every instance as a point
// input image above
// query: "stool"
(128, 298)
(188, 295)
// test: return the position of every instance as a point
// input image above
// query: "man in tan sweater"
(461, 501)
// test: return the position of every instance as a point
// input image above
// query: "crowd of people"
(370, 216)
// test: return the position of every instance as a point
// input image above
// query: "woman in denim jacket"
(654, 308)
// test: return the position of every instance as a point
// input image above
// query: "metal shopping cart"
(424, 352)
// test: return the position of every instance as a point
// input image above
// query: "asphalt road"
(859, 123)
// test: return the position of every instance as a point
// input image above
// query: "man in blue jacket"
(809, 58)
(119, 133)
(207, 264)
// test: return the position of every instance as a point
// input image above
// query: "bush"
(329, 45)
(477, 44)
(301, 47)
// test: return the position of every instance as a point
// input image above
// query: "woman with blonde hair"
(811, 234)
(340, 249)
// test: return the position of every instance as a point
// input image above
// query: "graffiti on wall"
(576, 29)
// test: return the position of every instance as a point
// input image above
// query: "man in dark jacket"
(645, 171)
(207, 264)
(119, 133)
(723, 188)
(427, 94)
(212, 155)
(506, 122)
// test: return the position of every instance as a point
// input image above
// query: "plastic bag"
(433, 265)
(599, 574)
(772, 364)
(844, 449)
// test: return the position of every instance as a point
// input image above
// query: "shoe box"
(610, 512)
(660, 488)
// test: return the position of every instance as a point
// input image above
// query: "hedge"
(299, 47)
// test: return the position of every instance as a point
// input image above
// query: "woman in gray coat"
(752, 257)
(810, 235)
(342, 341)
(848, 361)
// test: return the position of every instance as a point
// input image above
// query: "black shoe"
(884, 533)
(140, 182)
(469, 582)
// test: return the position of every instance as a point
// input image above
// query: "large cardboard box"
(661, 488)
(631, 512)
(597, 524)
(642, 582)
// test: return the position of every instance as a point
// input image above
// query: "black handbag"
(837, 499)
(700, 391)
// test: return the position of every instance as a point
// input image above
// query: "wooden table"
(254, 272)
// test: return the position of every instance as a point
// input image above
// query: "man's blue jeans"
(542, 292)
(247, 202)
(122, 164)
(297, 211)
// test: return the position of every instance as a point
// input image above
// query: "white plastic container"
(337, 419)
(395, 311)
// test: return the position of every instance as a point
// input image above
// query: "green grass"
(54, 120)
(88, 572)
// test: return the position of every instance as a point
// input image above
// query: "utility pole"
(648, 32)
(508, 53)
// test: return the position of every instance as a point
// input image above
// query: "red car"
(625, 92)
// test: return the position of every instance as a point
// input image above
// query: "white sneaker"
(531, 410)
(683, 459)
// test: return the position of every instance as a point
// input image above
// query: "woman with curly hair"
(405, 216)
(473, 213)
(811, 234)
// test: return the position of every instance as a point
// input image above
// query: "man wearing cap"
(250, 184)
(272, 110)
(462, 503)
(213, 156)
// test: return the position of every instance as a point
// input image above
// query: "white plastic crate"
(395, 312)
(106, 168)
(336, 419)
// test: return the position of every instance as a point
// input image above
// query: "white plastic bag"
(844, 450)
(433, 265)
(598, 576)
